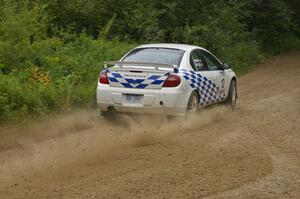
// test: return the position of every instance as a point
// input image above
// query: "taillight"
(172, 81)
(103, 79)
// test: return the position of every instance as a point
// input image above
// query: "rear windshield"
(155, 55)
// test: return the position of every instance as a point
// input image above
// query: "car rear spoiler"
(155, 66)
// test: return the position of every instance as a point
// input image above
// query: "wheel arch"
(233, 78)
(190, 94)
(198, 94)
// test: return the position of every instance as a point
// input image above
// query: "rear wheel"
(193, 103)
(110, 114)
(232, 95)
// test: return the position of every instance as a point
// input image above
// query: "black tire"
(109, 114)
(192, 106)
(232, 95)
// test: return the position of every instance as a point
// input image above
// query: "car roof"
(184, 47)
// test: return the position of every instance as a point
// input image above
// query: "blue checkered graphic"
(208, 91)
(151, 82)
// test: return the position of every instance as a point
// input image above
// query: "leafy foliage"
(51, 51)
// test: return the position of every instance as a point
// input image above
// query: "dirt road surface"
(251, 153)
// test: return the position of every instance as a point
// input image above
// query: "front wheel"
(232, 95)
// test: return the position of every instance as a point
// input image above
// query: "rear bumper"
(146, 110)
(165, 101)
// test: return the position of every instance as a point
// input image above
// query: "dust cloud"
(84, 137)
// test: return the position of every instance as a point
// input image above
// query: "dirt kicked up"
(253, 152)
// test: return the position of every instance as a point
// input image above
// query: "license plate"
(133, 99)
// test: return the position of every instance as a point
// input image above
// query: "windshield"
(155, 55)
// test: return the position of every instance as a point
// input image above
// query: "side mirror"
(225, 66)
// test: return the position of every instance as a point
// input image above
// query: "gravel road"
(253, 152)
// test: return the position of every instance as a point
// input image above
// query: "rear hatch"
(142, 67)
(138, 75)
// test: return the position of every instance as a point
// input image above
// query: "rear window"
(155, 55)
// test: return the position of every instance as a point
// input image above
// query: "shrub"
(51, 52)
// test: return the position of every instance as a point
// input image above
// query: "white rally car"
(169, 79)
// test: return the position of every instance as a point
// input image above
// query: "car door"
(209, 76)
(216, 73)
